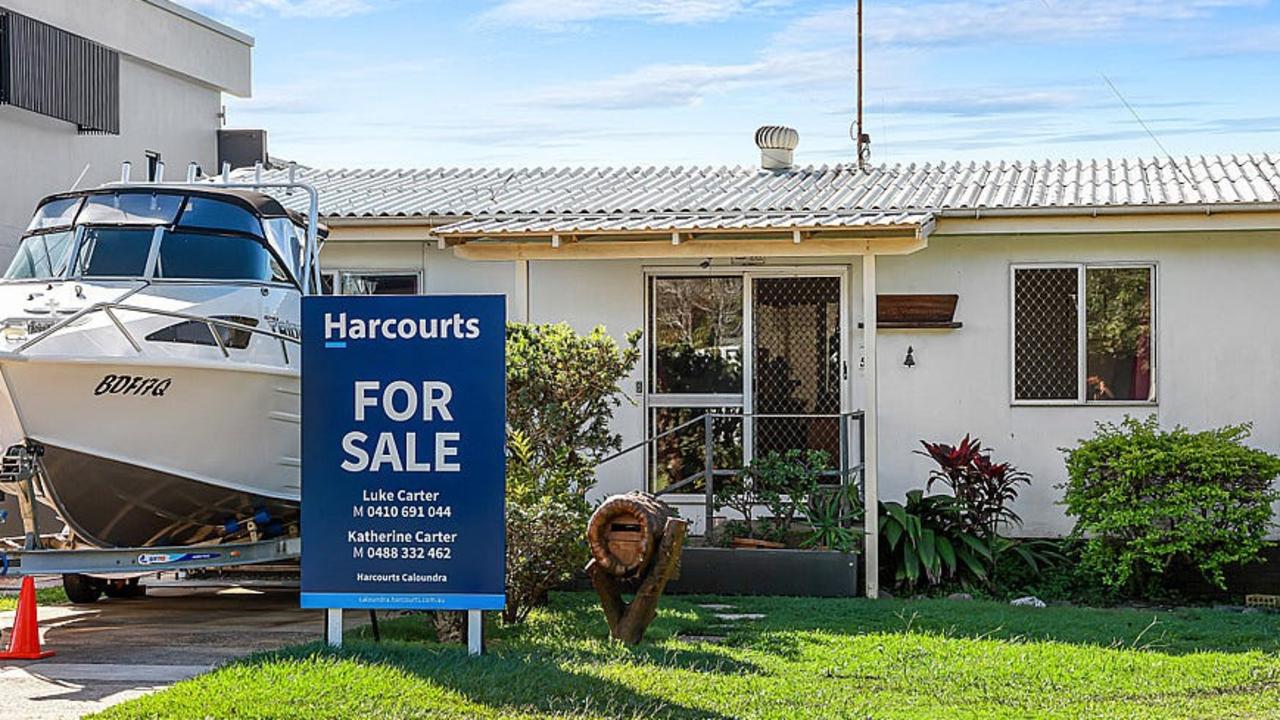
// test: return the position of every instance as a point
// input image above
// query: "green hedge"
(1147, 500)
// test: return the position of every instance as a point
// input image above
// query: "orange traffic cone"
(24, 642)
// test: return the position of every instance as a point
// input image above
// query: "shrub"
(561, 391)
(1147, 500)
(781, 482)
(562, 388)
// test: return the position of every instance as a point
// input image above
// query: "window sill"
(1077, 404)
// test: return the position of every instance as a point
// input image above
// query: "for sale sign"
(403, 430)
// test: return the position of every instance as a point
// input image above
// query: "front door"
(798, 368)
(764, 344)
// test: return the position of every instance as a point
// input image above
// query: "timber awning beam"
(643, 237)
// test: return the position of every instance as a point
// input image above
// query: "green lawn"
(44, 596)
(807, 658)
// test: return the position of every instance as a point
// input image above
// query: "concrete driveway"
(115, 650)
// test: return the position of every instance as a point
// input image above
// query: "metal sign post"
(475, 632)
(403, 436)
(333, 627)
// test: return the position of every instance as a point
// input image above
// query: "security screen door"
(764, 344)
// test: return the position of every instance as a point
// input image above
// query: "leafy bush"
(561, 391)
(547, 514)
(1147, 500)
(562, 388)
(781, 482)
(985, 488)
(929, 539)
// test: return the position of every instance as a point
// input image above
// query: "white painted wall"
(1218, 332)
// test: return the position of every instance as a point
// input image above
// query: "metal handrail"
(709, 472)
(109, 309)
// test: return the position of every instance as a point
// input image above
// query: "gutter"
(1097, 210)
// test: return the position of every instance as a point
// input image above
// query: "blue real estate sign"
(403, 429)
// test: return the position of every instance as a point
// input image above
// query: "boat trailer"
(142, 561)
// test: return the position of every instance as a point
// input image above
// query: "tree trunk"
(451, 626)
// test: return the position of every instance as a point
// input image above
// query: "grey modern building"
(87, 84)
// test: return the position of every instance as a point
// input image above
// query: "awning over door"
(551, 237)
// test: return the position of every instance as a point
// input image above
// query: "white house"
(1084, 291)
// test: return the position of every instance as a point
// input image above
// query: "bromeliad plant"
(832, 514)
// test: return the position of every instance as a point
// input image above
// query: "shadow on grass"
(526, 680)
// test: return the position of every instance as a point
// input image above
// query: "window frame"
(1082, 335)
(337, 275)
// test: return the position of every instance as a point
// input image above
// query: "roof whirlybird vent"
(777, 146)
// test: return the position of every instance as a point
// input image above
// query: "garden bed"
(755, 571)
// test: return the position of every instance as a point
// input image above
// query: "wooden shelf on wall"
(916, 312)
(917, 325)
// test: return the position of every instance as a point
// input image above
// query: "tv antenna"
(863, 140)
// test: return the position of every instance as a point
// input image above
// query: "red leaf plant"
(986, 488)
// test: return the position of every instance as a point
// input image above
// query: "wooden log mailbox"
(635, 542)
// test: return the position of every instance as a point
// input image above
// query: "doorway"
(763, 347)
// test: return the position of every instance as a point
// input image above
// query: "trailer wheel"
(82, 589)
(124, 589)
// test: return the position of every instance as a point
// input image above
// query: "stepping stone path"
(728, 616)
(726, 621)
(713, 639)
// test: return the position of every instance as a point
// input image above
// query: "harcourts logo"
(338, 329)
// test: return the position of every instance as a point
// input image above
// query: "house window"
(1100, 350)
(369, 283)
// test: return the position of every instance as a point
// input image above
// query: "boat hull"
(138, 453)
(109, 503)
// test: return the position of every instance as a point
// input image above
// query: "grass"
(807, 658)
(44, 596)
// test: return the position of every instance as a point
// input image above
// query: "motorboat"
(149, 358)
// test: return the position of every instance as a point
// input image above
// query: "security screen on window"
(1098, 351)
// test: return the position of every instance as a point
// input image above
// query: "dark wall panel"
(55, 73)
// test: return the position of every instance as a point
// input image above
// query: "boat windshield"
(42, 257)
(199, 256)
(114, 252)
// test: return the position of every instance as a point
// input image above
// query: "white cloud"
(284, 8)
(560, 14)
(985, 21)
(816, 51)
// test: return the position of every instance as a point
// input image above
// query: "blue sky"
(415, 83)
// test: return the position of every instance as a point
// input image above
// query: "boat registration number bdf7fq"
(403, 432)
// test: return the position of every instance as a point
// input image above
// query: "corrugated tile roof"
(1224, 180)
